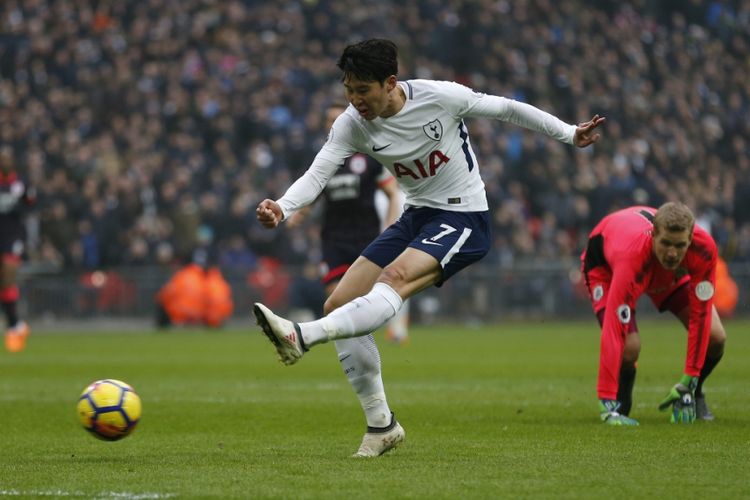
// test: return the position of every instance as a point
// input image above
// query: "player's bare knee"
(630, 358)
(330, 305)
(632, 349)
(392, 276)
(718, 337)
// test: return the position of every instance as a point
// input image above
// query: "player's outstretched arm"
(269, 213)
(585, 135)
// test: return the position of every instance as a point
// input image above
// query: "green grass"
(502, 411)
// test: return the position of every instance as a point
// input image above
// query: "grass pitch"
(503, 411)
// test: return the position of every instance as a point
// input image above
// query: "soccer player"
(416, 129)
(663, 254)
(14, 193)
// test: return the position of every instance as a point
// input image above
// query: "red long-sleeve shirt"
(627, 244)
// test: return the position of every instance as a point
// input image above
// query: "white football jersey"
(425, 145)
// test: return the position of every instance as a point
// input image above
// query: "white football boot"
(284, 334)
(379, 440)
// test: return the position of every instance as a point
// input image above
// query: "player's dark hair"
(674, 217)
(370, 60)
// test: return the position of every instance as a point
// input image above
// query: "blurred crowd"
(155, 127)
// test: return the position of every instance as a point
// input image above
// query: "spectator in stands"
(197, 294)
(146, 107)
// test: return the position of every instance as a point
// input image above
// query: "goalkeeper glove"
(682, 400)
(609, 415)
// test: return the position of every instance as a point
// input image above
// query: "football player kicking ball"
(663, 254)
(416, 130)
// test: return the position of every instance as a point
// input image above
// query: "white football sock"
(361, 316)
(360, 360)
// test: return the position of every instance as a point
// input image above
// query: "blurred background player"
(727, 291)
(14, 195)
(197, 294)
(665, 255)
(350, 222)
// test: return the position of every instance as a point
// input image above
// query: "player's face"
(670, 247)
(371, 98)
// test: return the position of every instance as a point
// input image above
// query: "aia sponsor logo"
(421, 169)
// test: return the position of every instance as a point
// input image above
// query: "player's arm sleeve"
(621, 299)
(466, 102)
(701, 300)
(334, 152)
(523, 115)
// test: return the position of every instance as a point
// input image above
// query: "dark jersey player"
(14, 194)
(351, 221)
(661, 253)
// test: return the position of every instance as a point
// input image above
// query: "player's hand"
(585, 134)
(682, 400)
(610, 416)
(269, 213)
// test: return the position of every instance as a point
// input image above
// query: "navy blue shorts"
(455, 239)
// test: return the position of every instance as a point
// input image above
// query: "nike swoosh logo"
(345, 357)
(376, 149)
(428, 242)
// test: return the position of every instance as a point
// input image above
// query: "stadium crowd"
(150, 128)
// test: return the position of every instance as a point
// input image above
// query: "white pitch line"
(127, 495)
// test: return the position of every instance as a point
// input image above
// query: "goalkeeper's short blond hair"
(674, 217)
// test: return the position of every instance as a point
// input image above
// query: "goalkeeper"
(663, 254)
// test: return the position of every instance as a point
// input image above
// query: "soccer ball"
(109, 409)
